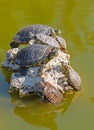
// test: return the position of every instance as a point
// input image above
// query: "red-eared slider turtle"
(34, 55)
(45, 39)
(53, 94)
(74, 79)
(23, 36)
(62, 43)
(72, 76)
(57, 42)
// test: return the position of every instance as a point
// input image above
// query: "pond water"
(75, 18)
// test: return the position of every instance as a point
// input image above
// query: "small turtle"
(72, 76)
(62, 43)
(23, 36)
(34, 55)
(74, 79)
(53, 94)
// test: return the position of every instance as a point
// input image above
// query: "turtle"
(72, 76)
(74, 79)
(62, 43)
(57, 42)
(23, 36)
(44, 39)
(34, 55)
(52, 94)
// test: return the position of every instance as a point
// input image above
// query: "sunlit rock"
(9, 63)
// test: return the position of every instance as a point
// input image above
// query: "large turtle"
(53, 94)
(23, 36)
(34, 55)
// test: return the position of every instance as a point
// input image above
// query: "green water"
(75, 18)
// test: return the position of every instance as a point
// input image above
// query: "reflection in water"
(7, 75)
(38, 113)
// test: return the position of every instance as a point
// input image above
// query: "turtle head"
(57, 31)
(13, 44)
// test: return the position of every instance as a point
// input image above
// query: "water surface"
(75, 18)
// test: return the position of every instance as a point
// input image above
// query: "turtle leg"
(41, 94)
(13, 44)
(53, 53)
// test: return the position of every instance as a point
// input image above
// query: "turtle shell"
(48, 40)
(35, 54)
(74, 79)
(52, 94)
(61, 42)
(23, 36)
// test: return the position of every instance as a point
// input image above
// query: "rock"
(10, 66)
(28, 84)
(52, 70)
(16, 81)
(9, 63)
(5, 63)
(11, 53)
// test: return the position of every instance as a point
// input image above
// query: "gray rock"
(11, 53)
(25, 85)
(8, 63)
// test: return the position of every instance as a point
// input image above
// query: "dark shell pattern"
(45, 39)
(61, 42)
(74, 79)
(23, 36)
(34, 54)
(52, 94)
